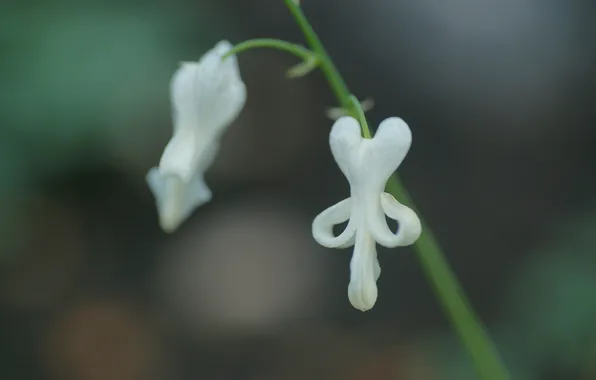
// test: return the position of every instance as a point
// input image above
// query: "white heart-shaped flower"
(206, 97)
(367, 165)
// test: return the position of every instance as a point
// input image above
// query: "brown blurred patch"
(280, 125)
(46, 255)
(101, 340)
(326, 354)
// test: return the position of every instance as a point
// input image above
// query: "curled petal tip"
(322, 226)
(409, 225)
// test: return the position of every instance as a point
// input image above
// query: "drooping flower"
(206, 97)
(367, 165)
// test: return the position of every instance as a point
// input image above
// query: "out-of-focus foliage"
(552, 302)
(80, 84)
(547, 319)
(67, 73)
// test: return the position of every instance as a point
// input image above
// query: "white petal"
(409, 227)
(377, 267)
(345, 140)
(388, 147)
(222, 47)
(208, 94)
(322, 226)
(181, 155)
(208, 151)
(364, 272)
(368, 163)
(176, 199)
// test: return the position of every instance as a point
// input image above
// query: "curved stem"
(304, 67)
(297, 50)
(432, 259)
(338, 86)
(361, 118)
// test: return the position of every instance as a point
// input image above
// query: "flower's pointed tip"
(362, 296)
(167, 225)
(362, 306)
(223, 47)
(169, 218)
(224, 44)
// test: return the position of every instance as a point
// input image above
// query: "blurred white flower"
(206, 97)
(245, 269)
(367, 165)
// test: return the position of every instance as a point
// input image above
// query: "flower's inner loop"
(340, 227)
(322, 226)
(391, 223)
(409, 227)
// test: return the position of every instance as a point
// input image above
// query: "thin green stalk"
(452, 297)
(432, 259)
(360, 116)
(338, 86)
(297, 50)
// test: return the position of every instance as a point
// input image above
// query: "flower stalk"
(430, 255)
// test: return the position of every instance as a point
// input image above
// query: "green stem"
(361, 118)
(297, 50)
(452, 297)
(338, 86)
(432, 259)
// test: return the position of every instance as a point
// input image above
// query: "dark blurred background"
(501, 100)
